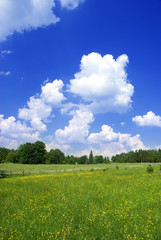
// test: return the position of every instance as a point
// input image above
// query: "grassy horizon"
(17, 168)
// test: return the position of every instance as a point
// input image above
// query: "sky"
(81, 75)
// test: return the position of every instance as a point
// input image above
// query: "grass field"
(52, 168)
(112, 204)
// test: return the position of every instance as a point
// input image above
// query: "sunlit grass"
(52, 168)
(112, 204)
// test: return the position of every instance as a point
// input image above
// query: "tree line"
(35, 153)
(138, 156)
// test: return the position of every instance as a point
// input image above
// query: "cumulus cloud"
(150, 119)
(10, 128)
(77, 129)
(53, 145)
(37, 124)
(36, 112)
(102, 81)
(8, 143)
(70, 4)
(107, 134)
(18, 15)
(111, 142)
(40, 108)
(51, 92)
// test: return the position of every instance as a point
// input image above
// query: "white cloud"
(6, 52)
(18, 15)
(158, 147)
(150, 119)
(36, 112)
(131, 142)
(37, 124)
(102, 81)
(10, 128)
(70, 4)
(40, 108)
(53, 145)
(51, 92)
(77, 129)
(106, 150)
(111, 142)
(8, 143)
(5, 73)
(106, 135)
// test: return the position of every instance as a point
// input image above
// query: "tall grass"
(112, 204)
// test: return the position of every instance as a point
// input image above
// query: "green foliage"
(82, 160)
(55, 157)
(32, 153)
(149, 169)
(91, 159)
(3, 154)
(3, 173)
(117, 167)
(13, 157)
(98, 159)
(106, 160)
(105, 169)
(138, 156)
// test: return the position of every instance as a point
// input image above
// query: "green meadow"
(86, 203)
(53, 168)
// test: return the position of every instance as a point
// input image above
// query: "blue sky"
(81, 75)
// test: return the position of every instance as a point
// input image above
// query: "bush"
(105, 169)
(3, 173)
(117, 168)
(149, 169)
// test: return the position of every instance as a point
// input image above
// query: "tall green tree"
(55, 157)
(32, 153)
(3, 154)
(98, 159)
(91, 159)
(82, 159)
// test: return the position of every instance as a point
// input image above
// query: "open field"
(111, 204)
(51, 168)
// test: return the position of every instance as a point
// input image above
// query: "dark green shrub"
(117, 167)
(105, 169)
(149, 169)
(3, 173)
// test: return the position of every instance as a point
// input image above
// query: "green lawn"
(112, 204)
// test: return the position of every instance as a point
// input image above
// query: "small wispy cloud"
(2, 73)
(6, 52)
